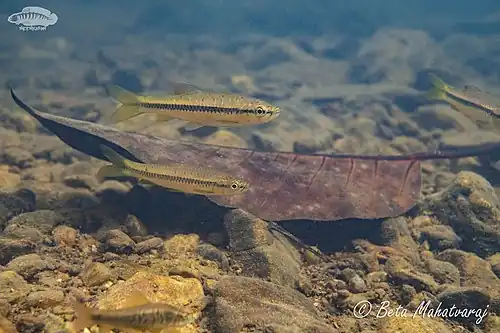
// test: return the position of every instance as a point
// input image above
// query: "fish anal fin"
(182, 88)
(136, 298)
(192, 126)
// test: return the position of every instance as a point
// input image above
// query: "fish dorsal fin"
(136, 298)
(181, 88)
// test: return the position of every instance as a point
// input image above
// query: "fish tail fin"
(83, 316)
(115, 158)
(438, 83)
(436, 94)
(129, 100)
(109, 171)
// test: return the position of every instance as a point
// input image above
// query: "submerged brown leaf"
(284, 186)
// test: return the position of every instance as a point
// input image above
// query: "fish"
(471, 101)
(194, 107)
(33, 16)
(137, 314)
(174, 177)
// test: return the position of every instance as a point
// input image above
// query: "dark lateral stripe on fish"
(178, 179)
(199, 108)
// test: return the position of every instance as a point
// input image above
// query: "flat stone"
(242, 303)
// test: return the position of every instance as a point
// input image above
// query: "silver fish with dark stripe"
(175, 177)
(192, 105)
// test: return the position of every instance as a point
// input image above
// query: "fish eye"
(234, 186)
(260, 110)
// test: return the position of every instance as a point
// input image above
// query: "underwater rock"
(134, 227)
(440, 237)
(13, 286)
(396, 234)
(95, 274)
(355, 283)
(465, 298)
(443, 272)
(13, 204)
(118, 242)
(64, 235)
(6, 326)
(494, 260)
(475, 272)
(244, 302)
(28, 323)
(401, 272)
(29, 264)
(260, 253)
(210, 252)
(8, 178)
(12, 248)
(470, 206)
(18, 157)
(181, 245)
(174, 290)
(414, 324)
(44, 298)
(42, 220)
(148, 245)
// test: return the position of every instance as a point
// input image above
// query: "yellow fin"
(115, 158)
(121, 95)
(146, 184)
(124, 112)
(438, 83)
(83, 316)
(135, 298)
(436, 94)
(109, 171)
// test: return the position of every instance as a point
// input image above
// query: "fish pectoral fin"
(109, 171)
(192, 126)
(146, 184)
(436, 94)
(136, 298)
(181, 88)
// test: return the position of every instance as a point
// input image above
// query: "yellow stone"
(181, 244)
